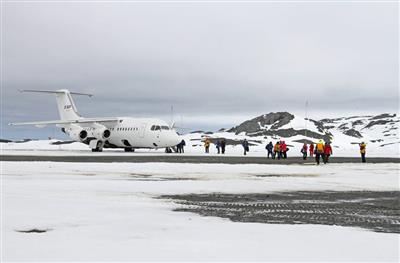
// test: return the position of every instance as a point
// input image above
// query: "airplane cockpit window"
(164, 127)
(155, 128)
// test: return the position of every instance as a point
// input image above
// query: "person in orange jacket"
(363, 147)
(319, 151)
(277, 151)
(327, 152)
(207, 143)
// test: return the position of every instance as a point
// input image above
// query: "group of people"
(320, 150)
(279, 150)
(219, 144)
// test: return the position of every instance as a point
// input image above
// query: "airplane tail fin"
(65, 103)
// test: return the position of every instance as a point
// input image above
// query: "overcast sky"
(217, 63)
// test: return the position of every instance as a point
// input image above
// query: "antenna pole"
(306, 117)
(172, 114)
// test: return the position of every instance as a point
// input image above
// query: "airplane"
(109, 132)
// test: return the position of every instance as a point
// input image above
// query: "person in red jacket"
(311, 149)
(304, 151)
(327, 152)
(284, 149)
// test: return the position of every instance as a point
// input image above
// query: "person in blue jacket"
(245, 145)
(269, 148)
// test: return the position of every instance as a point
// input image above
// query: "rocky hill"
(380, 132)
(377, 128)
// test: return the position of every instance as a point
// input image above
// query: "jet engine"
(76, 133)
(101, 132)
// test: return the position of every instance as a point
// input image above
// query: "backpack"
(320, 147)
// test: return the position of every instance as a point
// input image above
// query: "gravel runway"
(175, 158)
(375, 211)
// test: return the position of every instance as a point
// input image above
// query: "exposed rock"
(358, 122)
(353, 133)
(276, 119)
(379, 122)
(383, 116)
(199, 131)
(320, 124)
(379, 140)
(304, 141)
(62, 142)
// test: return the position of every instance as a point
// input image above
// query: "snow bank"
(106, 212)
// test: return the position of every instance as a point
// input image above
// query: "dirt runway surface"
(175, 158)
(375, 211)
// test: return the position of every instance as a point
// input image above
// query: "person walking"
(327, 152)
(319, 151)
(207, 145)
(284, 150)
(218, 145)
(223, 144)
(363, 148)
(269, 149)
(179, 147)
(277, 151)
(304, 151)
(311, 149)
(182, 144)
(245, 145)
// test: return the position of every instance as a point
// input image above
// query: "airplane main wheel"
(129, 150)
(97, 149)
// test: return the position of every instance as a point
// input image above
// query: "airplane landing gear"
(96, 145)
(97, 149)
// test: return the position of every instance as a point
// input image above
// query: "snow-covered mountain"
(380, 132)
(377, 128)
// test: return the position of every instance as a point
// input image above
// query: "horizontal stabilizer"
(56, 92)
(83, 120)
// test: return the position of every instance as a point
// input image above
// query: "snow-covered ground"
(194, 146)
(107, 212)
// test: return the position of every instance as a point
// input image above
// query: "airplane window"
(165, 127)
(158, 128)
(153, 128)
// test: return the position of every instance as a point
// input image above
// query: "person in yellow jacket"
(207, 143)
(319, 151)
(277, 151)
(363, 147)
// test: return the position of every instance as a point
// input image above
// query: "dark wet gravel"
(183, 158)
(375, 211)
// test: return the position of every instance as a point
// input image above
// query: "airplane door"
(142, 130)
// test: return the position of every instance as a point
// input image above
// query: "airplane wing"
(83, 120)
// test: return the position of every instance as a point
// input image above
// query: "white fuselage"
(136, 133)
(110, 132)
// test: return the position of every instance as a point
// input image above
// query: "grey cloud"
(221, 59)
